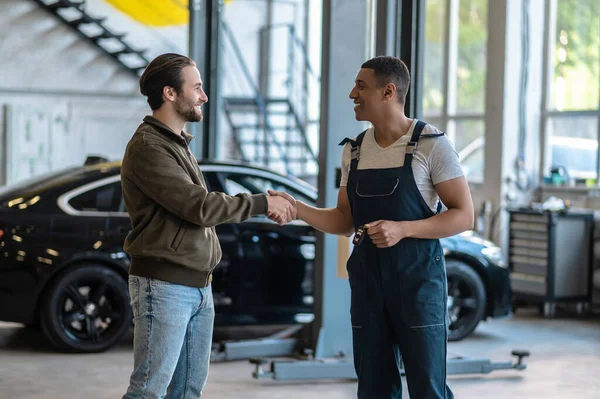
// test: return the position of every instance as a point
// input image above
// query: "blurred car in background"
(62, 264)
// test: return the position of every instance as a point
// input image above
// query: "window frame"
(66, 207)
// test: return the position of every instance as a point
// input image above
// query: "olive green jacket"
(172, 213)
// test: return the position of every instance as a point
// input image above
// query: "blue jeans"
(173, 327)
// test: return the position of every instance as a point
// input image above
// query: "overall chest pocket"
(371, 188)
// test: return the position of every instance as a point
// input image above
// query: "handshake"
(282, 207)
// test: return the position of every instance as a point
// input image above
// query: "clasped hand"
(383, 233)
(282, 207)
(386, 233)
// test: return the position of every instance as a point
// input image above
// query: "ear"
(169, 93)
(389, 91)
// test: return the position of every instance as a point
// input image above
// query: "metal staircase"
(72, 13)
(271, 131)
(268, 132)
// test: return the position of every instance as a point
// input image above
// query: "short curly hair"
(164, 70)
(390, 70)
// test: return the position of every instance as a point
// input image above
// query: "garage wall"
(45, 133)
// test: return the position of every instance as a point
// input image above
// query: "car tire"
(86, 309)
(466, 299)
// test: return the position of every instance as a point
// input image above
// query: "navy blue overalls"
(398, 301)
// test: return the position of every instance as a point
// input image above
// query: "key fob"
(359, 235)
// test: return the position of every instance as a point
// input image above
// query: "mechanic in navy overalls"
(396, 175)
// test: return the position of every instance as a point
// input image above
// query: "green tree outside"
(576, 83)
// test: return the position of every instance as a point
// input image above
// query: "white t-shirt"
(434, 161)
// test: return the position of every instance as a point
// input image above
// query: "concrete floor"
(564, 363)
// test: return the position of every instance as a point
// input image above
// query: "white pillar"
(505, 71)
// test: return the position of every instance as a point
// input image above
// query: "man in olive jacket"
(173, 245)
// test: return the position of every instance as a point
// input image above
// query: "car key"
(359, 235)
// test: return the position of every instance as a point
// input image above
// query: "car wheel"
(86, 309)
(466, 299)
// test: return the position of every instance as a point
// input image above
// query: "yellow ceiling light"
(154, 12)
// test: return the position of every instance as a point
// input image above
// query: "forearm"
(193, 203)
(327, 220)
(158, 175)
(446, 224)
(219, 208)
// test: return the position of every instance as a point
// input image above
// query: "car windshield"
(243, 183)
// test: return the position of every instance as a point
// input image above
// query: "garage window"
(454, 76)
(571, 114)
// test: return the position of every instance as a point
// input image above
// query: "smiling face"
(369, 99)
(380, 89)
(191, 97)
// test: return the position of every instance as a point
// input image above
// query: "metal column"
(344, 38)
(400, 32)
(409, 48)
(204, 49)
(387, 27)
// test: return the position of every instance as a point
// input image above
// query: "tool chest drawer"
(550, 255)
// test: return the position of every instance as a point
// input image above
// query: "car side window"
(233, 188)
(238, 183)
(107, 198)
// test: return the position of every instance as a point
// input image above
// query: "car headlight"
(495, 255)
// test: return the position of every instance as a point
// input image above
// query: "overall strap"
(439, 207)
(412, 144)
(354, 150)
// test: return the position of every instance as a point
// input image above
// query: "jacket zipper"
(192, 158)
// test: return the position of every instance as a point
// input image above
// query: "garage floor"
(564, 363)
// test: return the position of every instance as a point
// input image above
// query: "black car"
(62, 264)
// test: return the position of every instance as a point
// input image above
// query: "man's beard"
(187, 110)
